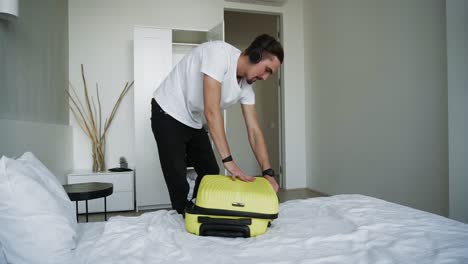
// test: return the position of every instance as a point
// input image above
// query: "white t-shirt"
(181, 93)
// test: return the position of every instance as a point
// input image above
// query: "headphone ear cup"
(255, 56)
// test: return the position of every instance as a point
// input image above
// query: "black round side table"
(88, 191)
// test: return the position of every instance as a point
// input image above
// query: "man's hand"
(273, 182)
(235, 171)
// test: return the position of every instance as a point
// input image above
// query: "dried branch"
(99, 104)
(77, 99)
(94, 108)
(80, 123)
(89, 114)
(116, 106)
(82, 120)
(93, 124)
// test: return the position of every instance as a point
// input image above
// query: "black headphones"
(255, 55)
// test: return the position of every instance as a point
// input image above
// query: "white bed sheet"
(87, 235)
(338, 229)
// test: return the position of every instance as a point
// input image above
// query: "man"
(212, 77)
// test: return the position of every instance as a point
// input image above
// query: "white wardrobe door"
(217, 33)
(152, 63)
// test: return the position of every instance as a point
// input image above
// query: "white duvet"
(338, 229)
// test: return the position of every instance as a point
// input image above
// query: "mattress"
(338, 229)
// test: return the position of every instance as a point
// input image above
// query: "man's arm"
(257, 141)
(214, 117)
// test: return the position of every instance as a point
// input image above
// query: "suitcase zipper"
(222, 212)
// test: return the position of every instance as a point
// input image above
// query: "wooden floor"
(282, 195)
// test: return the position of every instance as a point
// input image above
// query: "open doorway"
(241, 28)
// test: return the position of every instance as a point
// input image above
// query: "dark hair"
(266, 43)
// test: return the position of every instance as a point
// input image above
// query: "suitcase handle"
(224, 230)
(224, 221)
(224, 227)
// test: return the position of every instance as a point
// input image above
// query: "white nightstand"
(123, 197)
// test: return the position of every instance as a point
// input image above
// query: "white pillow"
(2, 256)
(34, 216)
(51, 183)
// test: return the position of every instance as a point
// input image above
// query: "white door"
(268, 96)
(152, 63)
(217, 33)
(279, 75)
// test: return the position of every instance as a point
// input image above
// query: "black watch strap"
(227, 159)
(269, 172)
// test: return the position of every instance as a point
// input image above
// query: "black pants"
(178, 144)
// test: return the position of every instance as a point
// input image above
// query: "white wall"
(376, 89)
(34, 59)
(457, 68)
(100, 36)
(33, 79)
(50, 143)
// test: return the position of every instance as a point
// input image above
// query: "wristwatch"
(227, 159)
(269, 172)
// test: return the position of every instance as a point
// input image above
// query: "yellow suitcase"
(230, 208)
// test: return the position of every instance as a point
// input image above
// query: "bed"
(38, 225)
(336, 229)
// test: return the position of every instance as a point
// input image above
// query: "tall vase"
(98, 149)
